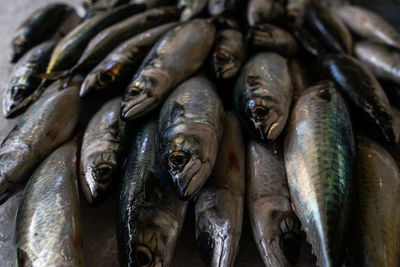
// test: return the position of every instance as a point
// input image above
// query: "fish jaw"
(89, 86)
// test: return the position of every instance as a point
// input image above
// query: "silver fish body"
(102, 151)
(191, 8)
(175, 57)
(45, 125)
(220, 203)
(150, 215)
(190, 127)
(263, 93)
(48, 230)
(319, 156)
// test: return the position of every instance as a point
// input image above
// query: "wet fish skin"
(39, 27)
(262, 95)
(308, 42)
(328, 28)
(175, 57)
(116, 69)
(228, 54)
(102, 151)
(368, 24)
(276, 229)
(380, 59)
(299, 78)
(295, 10)
(219, 7)
(45, 125)
(21, 90)
(150, 214)
(191, 8)
(259, 11)
(190, 127)
(153, 3)
(266, 37)
(71, 47)
(319, 156)
(220, 203)
(362, 89)
(48, 230)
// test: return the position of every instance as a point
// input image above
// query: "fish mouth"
(214, 249)
(88, 87)
(225, 71)
(266, 129)
(137, 107)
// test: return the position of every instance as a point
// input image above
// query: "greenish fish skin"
(190, 127)
(48, 230)
(259, 11)
(116, 69)
(150, 215)
(381, 59)
(228, 54)
(368, 25)
(262, 95)
(102, 152)
(71, 47)
(21, 90)
(219, 204)
(39, 27)
(362, 90)
(45, 125)
(191, 8)
(174, 58)
(271, 216)
(109, 38)
(377, 210)
(319, 155)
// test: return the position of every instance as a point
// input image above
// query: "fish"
(40, 26)
(219, 204)
(262, 95)
(266, 37)
(116, 69)
(228, 54)
(150, 215)
(70, 48)
(328, 28)
(94, 8)
(153, 3)
(319, 155)
(44, 126)
(48, 226)
(377, 209)
(362, 90)
(276, 229)
(219, 7)
(190, 127)
(21, 90)
(259, 11)
(298, 77)
(175, 57)
(108, 39)
(295, 10)
(392, 90)
(308, 44)
(368, 24)
(102, 152)
(191, 8)
(382, 60)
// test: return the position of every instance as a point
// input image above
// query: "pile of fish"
(289, 108)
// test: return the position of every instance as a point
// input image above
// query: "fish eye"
(178, 159)
(289, 243)
(258, 112)
(142, 256)
(103, 172)
(137, 87)
(106, 77)
(221, 55)
(18, 92)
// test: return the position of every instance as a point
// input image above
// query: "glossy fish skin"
(116, 69)
(218, 7)
(39, 27)
(220, 203)
(228, 54)
(380, 59)
(308, 42)
(319, 156)
(259, 11)
(362, 89)
(71, 47)
(48, 230)
(109, 38)
(153, 3)
(271, 38)
(23, 82)
(263, 94)
(368, 24)
(378, 179)
(175, 57)
(328, 28)
(295, 10)
(299, 79)
(190, 127)
(45, 125)
(150, 215)
(102, 151)
(276, 229)
(191, 8)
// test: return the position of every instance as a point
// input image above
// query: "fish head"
(15, 99)
(17, 47)
(188, 151)
(144, 93)
(148, 247)
(224, 63)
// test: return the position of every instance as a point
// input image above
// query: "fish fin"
(56, 75)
